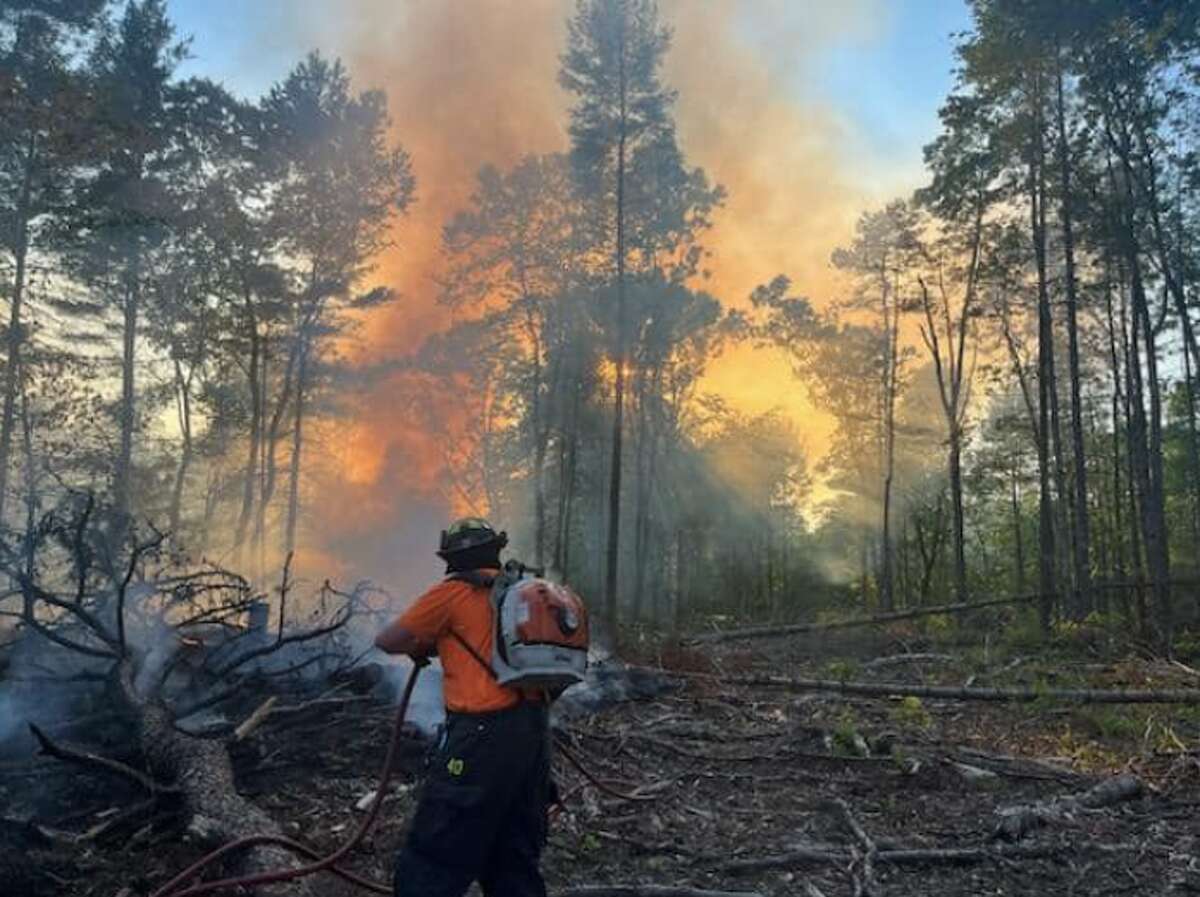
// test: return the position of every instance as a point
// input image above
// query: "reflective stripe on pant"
(482, 811)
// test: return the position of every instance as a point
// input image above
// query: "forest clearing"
(750, 789)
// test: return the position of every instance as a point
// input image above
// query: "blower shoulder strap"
(513, 571)
(470, 649)
(480, 580)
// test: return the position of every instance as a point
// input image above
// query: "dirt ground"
(731, 774)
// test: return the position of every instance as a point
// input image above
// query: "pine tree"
(629, 169)
(43, 140)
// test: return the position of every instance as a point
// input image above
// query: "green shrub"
(911, 713)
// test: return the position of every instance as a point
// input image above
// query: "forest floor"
(733, 775)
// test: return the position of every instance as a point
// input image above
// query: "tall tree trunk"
(1146, 436)
(1062, 504)
(128, 392)
(864, 577)
(1083, 597)
(1139, 439)
(32, 497)
(212, 497)
(953, 390)
(612, 567)
(183, 390)
(641, 496)
(293, 509)
(541, 436)
(1047, 574)
(250, 475)
(681, 578)
(1173, 267)
(1193, 454)
(958, 516)
(1118, 537)
(1018, 534)
(258, 542)
(16, 336)
(539, 463)
(930, 549)
(568, 485)
(274, 431)
(1160, 564)
(1136, 552)
(891, 317)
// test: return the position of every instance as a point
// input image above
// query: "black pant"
(482, 812)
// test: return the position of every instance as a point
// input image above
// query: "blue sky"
(884, 76)
(890, 86)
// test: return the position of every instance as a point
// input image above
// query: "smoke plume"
(475, 82)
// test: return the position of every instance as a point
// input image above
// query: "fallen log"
(1031, 768)
(202, 771)
(757, 632)
(648, 891)
(956, 692)
(895, 660)
(919, 856)
(1017, 821)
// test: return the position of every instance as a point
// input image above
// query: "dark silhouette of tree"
(631, 173)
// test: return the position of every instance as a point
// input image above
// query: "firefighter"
(482, 810)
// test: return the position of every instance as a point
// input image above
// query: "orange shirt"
(454, 606)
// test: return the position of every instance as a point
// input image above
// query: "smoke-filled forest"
(883, 488)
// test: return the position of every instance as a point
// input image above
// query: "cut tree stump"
(1017, 821)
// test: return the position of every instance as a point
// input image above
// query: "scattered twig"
(255, 719)
(97, 831)
(611, 791)
(868, 887)
(107, 764)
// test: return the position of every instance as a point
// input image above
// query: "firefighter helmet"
(468, 533)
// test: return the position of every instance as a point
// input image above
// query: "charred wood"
(1017, 821)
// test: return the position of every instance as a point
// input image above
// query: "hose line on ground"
(330, 862)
